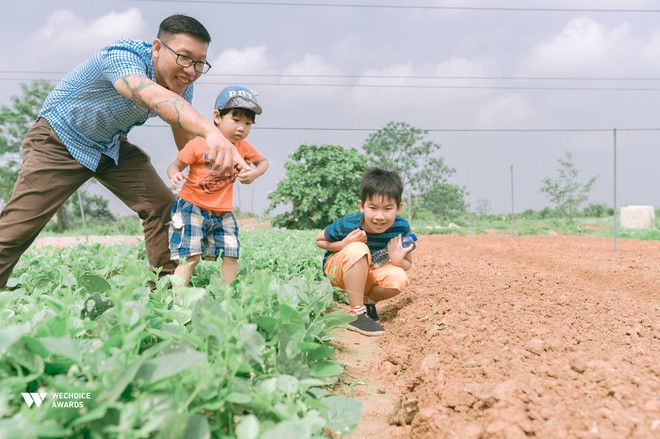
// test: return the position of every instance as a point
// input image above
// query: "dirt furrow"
(532, 337)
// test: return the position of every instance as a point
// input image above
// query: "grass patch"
(602, 227)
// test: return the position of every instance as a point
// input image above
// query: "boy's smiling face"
(379, 213)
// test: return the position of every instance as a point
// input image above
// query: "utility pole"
(614, 133)
(513, 218)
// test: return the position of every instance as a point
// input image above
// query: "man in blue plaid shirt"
(81, 134)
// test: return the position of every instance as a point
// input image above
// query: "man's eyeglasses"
(186, 61)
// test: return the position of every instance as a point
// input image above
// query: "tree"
(15, 121)
(483, 207)
(94, 206)
(566, 192)
(445, 200)
(322, 184)
(402, 148)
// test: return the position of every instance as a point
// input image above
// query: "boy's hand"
(396, 251)
(357, 235)
(247, 177)
(176, 180)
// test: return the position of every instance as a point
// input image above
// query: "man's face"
(379, 213)
(171, 75)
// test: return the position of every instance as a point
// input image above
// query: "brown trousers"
(50, 175)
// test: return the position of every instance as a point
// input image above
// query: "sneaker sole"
(367, 333)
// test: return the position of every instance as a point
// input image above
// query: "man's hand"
(396, 251)
(357, 235)
(176, 179)
(223, 154)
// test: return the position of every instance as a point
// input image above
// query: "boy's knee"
(341, 262)
(357, 249)
(396, 279)
(191, 260)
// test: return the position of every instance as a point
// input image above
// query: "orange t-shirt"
(206, 188)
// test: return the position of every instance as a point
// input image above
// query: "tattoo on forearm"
(177, 105)
(137, 88)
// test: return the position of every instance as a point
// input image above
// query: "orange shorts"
(387, 276)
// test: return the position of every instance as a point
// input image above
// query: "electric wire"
(408, 86)
(352, 76)
(409, 7)
(444, 130)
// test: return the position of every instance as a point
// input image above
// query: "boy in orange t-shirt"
(203, 224)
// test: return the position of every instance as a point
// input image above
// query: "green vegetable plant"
(115, 353)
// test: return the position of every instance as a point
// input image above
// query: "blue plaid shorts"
(195, 231)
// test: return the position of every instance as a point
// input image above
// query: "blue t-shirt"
(88, 113)
(339, 229)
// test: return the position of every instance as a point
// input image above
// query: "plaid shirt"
(88, 113)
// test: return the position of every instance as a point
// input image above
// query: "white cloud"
(648, 53)
(347, 46)
(312, 65)
(66, 39)
(65, 30)
(430, 75)
(241, 61)
(505, 111)
(437, 102)
(322, 97)
(584, 46)
(406, 69)
(457, 66)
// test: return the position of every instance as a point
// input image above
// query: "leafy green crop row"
(250, 360)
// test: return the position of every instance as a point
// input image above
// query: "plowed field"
(547, 337)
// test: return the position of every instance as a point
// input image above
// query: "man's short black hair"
(238, 111)
(183, 24)
(378, 181)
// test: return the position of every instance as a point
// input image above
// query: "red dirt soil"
(546, 337)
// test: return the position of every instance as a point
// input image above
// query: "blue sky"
(436, 69)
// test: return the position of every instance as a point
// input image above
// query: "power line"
(410, 7)
(411, 86)
(508, 78)
(446, 130)
(459, 87)
(350, 76)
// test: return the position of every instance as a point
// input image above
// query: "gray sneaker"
(372, 312)
(366, 326)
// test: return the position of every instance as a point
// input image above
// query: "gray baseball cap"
(236, 96)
